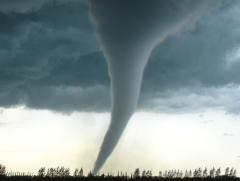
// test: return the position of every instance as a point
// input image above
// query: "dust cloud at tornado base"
(128, 31)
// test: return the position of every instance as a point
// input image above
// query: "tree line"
(61, 172)
(197, 173)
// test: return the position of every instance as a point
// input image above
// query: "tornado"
(128, 30)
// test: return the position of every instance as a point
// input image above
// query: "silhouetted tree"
(52, 172)
(186, 174)
(190, 173)
(165, 174)
(227, 171)
(62, 172)
(136, 173)
(2, 169)
(170, 173)
(144, 173)
(218, 172)
(231, 172)
(160, 174)
(48, 173)
(181, 174)
(41, 172)
(174, 174)
(91, 175)
(195, 173)
(212, 172)
(235, 173)
(178, 174)
(205, 173)
(67, 172)
(81, 174)
(200, 172)
(57, 172)
(149, 173)
(75, 174)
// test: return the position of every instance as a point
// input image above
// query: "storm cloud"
(51, 47)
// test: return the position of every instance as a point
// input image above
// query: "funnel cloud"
(128, 31)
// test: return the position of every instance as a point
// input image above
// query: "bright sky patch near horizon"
(55, 102)
(156, 142)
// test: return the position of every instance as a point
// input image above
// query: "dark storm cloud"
(26, 6)
(33, 44)
(87, 71)
(68, 99)
(80, 85)
(192, 56)
(198, 63)
(22, 6)
(51, 46)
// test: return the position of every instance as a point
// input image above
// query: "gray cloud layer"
(51, 48)
(26, 6)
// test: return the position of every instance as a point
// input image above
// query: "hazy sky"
(55, 92)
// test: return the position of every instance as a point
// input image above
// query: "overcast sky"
(55, 87)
